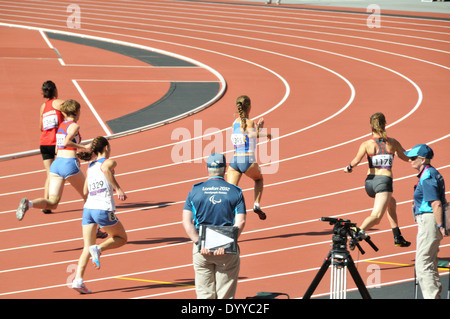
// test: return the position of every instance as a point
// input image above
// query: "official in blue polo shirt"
(429, 200)
(218, 203)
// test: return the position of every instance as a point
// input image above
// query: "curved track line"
(324, 51)
(137, 130)
(246, 280)
(261, 23)
(244, 190)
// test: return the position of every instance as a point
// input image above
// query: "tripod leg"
(318, 277)
(357, 278)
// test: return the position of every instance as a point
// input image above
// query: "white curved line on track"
(405, 56)
(268, 111)
(208, 13)
(171, 54)
(190, 265)
(380, 51)
(341, 55)
(245, 14)
(202, 178)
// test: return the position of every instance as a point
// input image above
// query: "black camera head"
(338, 221)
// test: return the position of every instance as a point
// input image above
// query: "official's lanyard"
(420, 175)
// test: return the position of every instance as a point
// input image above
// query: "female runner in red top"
(50, 118)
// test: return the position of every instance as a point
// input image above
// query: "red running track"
(315, 76)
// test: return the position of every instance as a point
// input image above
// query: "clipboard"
(214, 237)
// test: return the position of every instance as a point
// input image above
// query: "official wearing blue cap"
(216, 160)
(421, 150)
(214, 202)
(429, 200)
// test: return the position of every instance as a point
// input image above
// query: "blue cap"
(421, 150)
(216, 160)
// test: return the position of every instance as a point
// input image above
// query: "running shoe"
(21, 210)
(401, 242)
(80, 287)
(95, 252)
(101, 234)
(260, 213)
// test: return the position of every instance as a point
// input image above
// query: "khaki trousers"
(215, 276)
(428, 240)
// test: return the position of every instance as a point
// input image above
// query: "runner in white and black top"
(99, 209)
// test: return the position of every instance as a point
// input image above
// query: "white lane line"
(61, 61)
(97, 116)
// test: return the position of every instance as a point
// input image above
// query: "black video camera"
(344, 228)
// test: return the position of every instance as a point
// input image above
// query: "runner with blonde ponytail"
(380, 151)
(244, 137)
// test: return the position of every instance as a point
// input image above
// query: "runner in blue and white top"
(99, 208)
(244, 138)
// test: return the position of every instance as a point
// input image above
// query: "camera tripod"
(340, 259)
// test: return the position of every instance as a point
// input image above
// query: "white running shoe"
(23, 207)
(95, 252)
(79, 286)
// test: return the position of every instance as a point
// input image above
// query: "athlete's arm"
(359, 156)
(399, 150)
(108, 169)
(40, 116)
(72, 130)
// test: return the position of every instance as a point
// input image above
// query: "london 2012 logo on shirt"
(214, 201)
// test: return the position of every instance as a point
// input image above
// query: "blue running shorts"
(242, 163)
(98, 216)
(65, 167)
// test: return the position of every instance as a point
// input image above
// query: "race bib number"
(238, 139)
(49, 121)
(111, 216)
(382, 161)
(60, 138)
(96, 187)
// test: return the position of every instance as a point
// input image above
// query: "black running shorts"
(378, 184)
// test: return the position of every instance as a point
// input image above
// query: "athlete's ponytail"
(98, 145)
(242, 104)
(378, 123)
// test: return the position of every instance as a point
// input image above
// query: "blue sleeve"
(430, 190)
(187, 203)
(240, 206)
